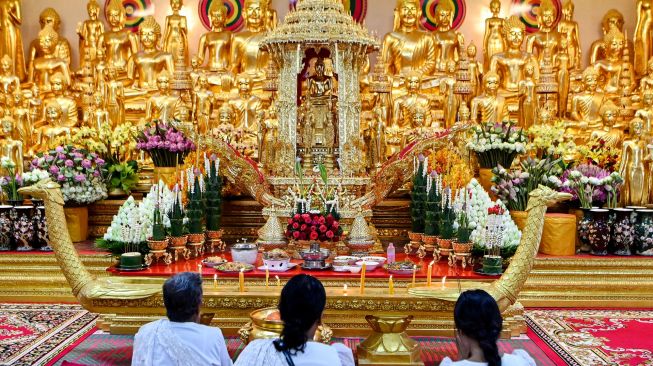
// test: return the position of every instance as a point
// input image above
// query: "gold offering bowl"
(266, 324)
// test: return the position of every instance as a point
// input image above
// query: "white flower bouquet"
(497, 144)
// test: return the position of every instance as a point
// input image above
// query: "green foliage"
(213, 196)
(158, 230)
(177, 227)
(464, 231)
(433, 211)
(418, 199)
(195, 208)
(123, 176)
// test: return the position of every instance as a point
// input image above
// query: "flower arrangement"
(514, 187)
(213, 194)
(550, 141)
(313, 226)
(584, 182)
(595, 152)
(497, 144)
(195, 204)
(80, 173)
(447, 217)
(463, 225)
(612, 185)
(418, 195)
(166, 145)
(433, 206)
(10, 183)
(454, 169)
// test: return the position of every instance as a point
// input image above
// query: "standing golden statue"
(271, 18)
(145, 66)
(568, 30)
(448, 42)
(451, 100)
(528, 106)
(269, 132)
(475, 71)
(118, 43)
(612, 19)
(61, 50)
(202, 99)
(547, 39)
(489, 106)
(11, 39)
(175, 38)
(407, 48)
(43, 67)
(246, 55)
(319, 106)
(89, 33)
(114, 92)
(564, 65)
(632, 167)
(493, 41)
(217, 42)
(10, 144)
(643, 38)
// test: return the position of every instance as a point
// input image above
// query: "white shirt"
(519, 357)
(163, 343)
(261, 352)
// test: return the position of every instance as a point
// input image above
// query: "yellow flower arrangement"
(117, 144)
(550, 140)
(455, 171)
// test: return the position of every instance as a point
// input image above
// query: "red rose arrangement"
(313, 227)
(495, 210)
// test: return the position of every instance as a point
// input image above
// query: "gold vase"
(165, 174)
(519, 217)
(77, 222)
(485, 180)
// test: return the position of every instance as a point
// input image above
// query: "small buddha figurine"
(613, 19)
(175, 38)
(270, 15)
(646, 112)
(35, 104)
(9, 82)
(118, 44)
(510, 65)
(100, 118)
(320, 105)
(564, 66)
(407, 48)
(162, 105)
(609, 133)
(585, 106)
(377, 143)
(528, 106)
(69, 116)
(202, 100)
(646, 83)
(643, 37)
(89, 34)
(43, 67)
(568, 30)
(464, 114)
(451, 101)
(217, 42)
(269, 132)
(114, 92)
(611, 67)
(50, 128)
(61, 49)
(547, 39)
(632, 167)
(145, 66)
(493, 41)
(246, 55)
(247, 107)
(448, 42)
(489, 106)
(11, 44)
(475, 71)
(404, 105)
(10, 144)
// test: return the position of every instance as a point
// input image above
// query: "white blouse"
(261, 352)
(518, 358)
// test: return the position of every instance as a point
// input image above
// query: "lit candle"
(267, 276)
(363, 277)
(344, 289)
(241, 279)
(278, 281)
(391, 285)
(444, 280)
(414, 272)
(215, 280)
(429, 273)
(199, 269)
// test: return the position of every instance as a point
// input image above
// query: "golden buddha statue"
(118, 43)
(163, 104)
(100, 116)
(69, 115)
(646, 82)
(447, 89)
(547, 39)
(9, 82)
(271, 18)
(11, 43)
(35, 104)
(23, 121)
(632, 167)
(10, 144)
(247, 107)
(375, 139)
(585, 107)
(202, 100)
(407, 48)
(643, 38)
(60, 50)
(612, 19)
(145, 66)
(510, 65)
(42, 68)
(114, 92)
(89, 33)
(448, 42)
(528, 106)
(269, 135)
(246, 55)
(319, 106)
(646, 112)
(493, 41)
(404, 106)
(475, 71)
(51, 127)
(489, 106)
(564, 65)
(217, 42)
(175, 38)
(568, 30)
(609, 133)
(611, 67)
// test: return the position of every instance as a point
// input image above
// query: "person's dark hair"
(477, 315)
(301, 305)
(182, 296)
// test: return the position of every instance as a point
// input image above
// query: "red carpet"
(594, 337)
(34, 334)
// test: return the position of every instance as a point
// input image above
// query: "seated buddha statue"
(69, 114)
(609, 133)
(489, 106)
(43, 67)
(10, 144)
(246, 55)
(145, 66)
(61, 48)
(611, 67)
(635, 171)
(248, 108)
(50, 128)
(613, 19)
(511, 64)
(217, 42)
(9, 83)
(404, 106)
(646, 82)
(118, 44)
(407, 48)
(162, 105)
(585, 107)
(319, 109)
(547, 39)
(448, 42)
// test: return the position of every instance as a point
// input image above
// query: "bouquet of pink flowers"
(166, 145)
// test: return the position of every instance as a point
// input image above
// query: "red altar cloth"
(440, 269)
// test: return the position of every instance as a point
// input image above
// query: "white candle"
(344, 289)
(215, 280)
(444, 280)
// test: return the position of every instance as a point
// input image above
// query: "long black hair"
(301, 305)
(477, 315)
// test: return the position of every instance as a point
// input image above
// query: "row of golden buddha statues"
(422, 81)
